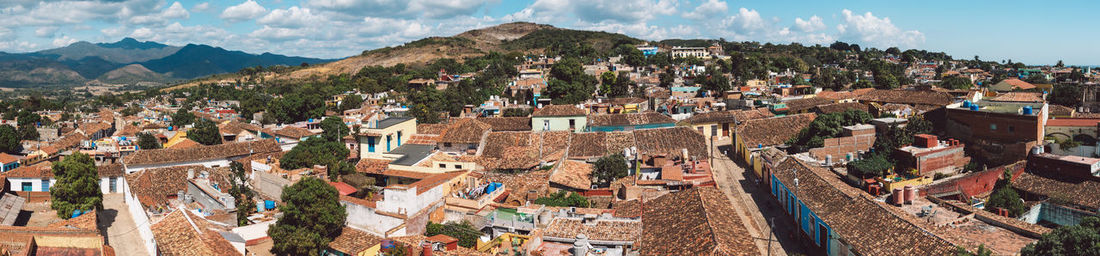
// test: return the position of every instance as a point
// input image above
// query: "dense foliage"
(205, 132)
(326, 150)
(874, 165)
(312, 217)
(826, 126)
(609, 168)
(10, 140)
(242, 194)
(146, 140)
(956, 83)
(466, 233)
(1082, 239)
(563, 199)
(77, 186)
(569, 84)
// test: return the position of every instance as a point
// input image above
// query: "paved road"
(755, 206)
(122, 235)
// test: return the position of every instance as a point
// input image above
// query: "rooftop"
(629, 119)
(558, 110)
(411, 153)
(764, 132)
(699, 221)
(391, 121)
(1016, 108)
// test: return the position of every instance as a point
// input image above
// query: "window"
(370, 144)
(442, 165)
(572, 124)
(1011, 128)
(700, 128)
(458, 166)
(114, 184)
(714, 130)
(447, 145)
(398, 138)
(45, 185)
(388, 139)
(992, 127)
(28, 186)
(545, 125)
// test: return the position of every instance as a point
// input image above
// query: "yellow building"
(176, 138)
(506, 243)
(379, 137)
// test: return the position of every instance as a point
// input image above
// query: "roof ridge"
(698, 195)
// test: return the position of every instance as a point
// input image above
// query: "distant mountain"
(128, 61)
(125, 51)
(193, 61)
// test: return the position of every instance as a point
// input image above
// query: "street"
(755, 205)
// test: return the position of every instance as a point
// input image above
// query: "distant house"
(381, 136)
(39, 178)
(717, 229)
(288, 136)
(1012, 84)
(209, 156)
(463, 136)
(559, 118)
(755, 135)
(722, 123)
(8, 162)
(629, 122)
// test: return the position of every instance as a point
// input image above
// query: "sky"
(1039, 34)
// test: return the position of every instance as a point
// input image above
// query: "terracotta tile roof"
(1019, 97)
(671, 141)
(800, 105)
(466, 130)
(603, 230)
(573, 174)
(6, 158)
(699, 221)
(423, 139)
(430, 128)
(1059, 110)
(235, 127)
(353, 241)
(773, 131)
(1017, 83)
(554, 144)
(1079, 192)
(840, 107)
(751, 114)
(843, 95)
(508, 123)
(225, 150)
(908, 97)
(154, 186)
(522, 183)
(1073, 122)
(629, 119)
(597, 144)
(558, 110)
(711, 117)
(129, 131)
(94, 127)
(183, 233)
(69, 141)
(86, 221)
(413, 243)
(857, 218)
(372, 166)
(511, 150)
(292, 132)
(185, 143)
(627, 209)
(110, 170)
(42, 169)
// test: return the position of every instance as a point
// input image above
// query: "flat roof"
(391, 121)
(1005, 107)
(411, 153)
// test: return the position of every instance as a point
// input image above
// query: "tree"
(826, 126)
(982, 251)
(241, 193)
(622, 85)
(609, 168)
(516, 112)
(1066, 95)
(893, 50)
(465, 232)
(312, 217)
(351, 102)
(1082, 239)
(607, 79)
(874, 166)
(10, 140)
(182, 118)
(334, 129)
(148, 141)
(77, 186)
(569, 84)
(28, 132)
(1006, 198)
(1060, 64)
(563, 199)
(956, 83)
(205, 132)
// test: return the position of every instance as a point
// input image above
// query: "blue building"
(8, 162)
(838, 219)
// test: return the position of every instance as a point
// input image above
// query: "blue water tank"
(260, 207)
(966, 103)
(76, 213)
(1028, 110)
(269, 204)
(974, 107)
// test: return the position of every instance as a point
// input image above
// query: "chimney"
(580, 247)
(190, 174)
(426, 248)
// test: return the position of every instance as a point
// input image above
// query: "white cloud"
(436, 9)
(63, 41)
(200, 7)
(244, 11)
(174, 11)
(880, 32)
(811, 25)
(595, 11)
(45, 32)
(708, 9)
(292, 17)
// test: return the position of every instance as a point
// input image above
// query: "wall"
(141, 220)
(839, 148)
(1009, 127)
(949, 158)
(36, 184)
(559, 123)
(972, 183)
(407, 202)
(1061, 215)
(365, 218)
(709, 129)
(268, 184)
(407, 129)
(628, 127)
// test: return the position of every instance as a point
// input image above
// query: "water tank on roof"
(966, 104)
(1028, 110)
(269, 204)
(974, 107)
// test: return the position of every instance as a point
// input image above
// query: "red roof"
(1074, 122)
(442, 239)
(6, 158)
(344, 188)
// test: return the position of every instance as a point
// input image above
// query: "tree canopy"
(10, 140)
(569, 84)
(148, 141)
(563, 199)
(1082, 239)
(466, 234)
(77, 186)
(312, 217)
(205, 132)
(826, 126)
(610, 168)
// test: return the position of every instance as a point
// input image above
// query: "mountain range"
(129, 61)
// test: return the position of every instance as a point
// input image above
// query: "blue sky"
(995, 30)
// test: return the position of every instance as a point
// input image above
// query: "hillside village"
(595, 144)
